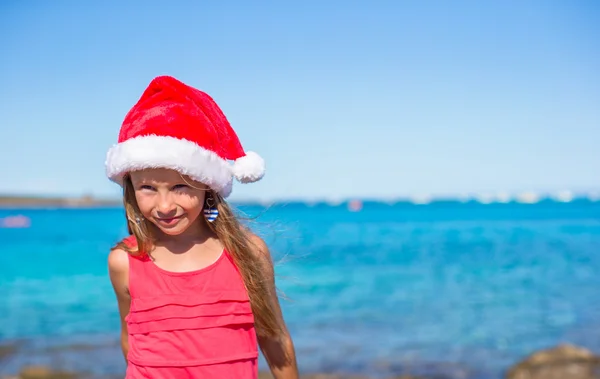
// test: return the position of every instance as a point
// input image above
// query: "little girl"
(195, 289)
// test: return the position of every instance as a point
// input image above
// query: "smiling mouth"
(169, 220)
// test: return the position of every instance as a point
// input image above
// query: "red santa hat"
(179, 127)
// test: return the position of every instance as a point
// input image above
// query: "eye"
(179, 187)
(146, 187)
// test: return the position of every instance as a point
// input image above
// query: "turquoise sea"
(445, 288)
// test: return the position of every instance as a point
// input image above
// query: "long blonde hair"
(236, 241)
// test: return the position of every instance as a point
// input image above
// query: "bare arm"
(279, 350)
(118, 269)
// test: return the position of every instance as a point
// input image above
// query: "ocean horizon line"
(526, 197)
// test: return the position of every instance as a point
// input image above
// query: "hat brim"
(184, 156)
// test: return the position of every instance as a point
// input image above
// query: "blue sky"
(341, 98)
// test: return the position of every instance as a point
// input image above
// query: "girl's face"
(167, 200)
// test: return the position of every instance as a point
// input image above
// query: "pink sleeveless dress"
(196, 324)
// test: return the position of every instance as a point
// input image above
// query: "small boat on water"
(18, 221)
(355, 205)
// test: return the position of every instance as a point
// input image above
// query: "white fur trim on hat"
(168, 152)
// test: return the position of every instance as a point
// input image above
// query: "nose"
(166, 207)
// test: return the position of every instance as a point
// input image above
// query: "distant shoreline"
(33, 202)
(11, 202)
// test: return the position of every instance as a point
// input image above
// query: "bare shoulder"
(118, 261)
(260, 248)
(261, 252)
(118, 271)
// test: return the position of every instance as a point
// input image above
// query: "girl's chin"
(172, 226)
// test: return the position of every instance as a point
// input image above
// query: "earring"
(137, 220)
(210, 211)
